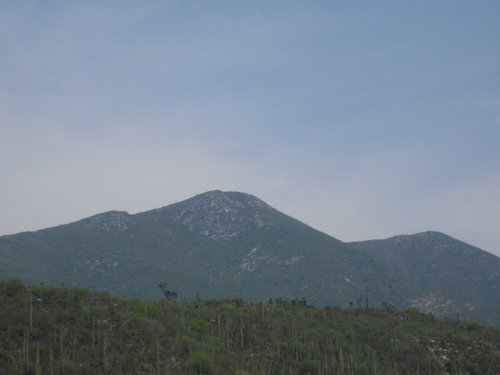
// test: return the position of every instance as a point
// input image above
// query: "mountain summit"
(230, 244)
(222, 215)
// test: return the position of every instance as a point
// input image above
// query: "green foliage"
(72, 331)
(200, 328)
(200, 362)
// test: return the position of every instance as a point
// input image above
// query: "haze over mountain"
(230, 244)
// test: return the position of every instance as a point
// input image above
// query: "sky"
(362, 119)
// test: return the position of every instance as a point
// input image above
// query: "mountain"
(446, 275)
(230, 244)
(216, 244)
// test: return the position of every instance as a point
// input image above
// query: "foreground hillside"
(73, 331)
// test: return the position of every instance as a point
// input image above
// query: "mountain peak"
(111, 221)
(431, 234)
(222, 215)
(229, 199)
(421, 236)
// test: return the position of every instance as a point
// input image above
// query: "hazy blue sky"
(364, 119)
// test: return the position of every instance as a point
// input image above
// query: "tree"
(170, 295)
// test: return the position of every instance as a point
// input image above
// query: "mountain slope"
(217, 244)
(230, 244)
(446, 275)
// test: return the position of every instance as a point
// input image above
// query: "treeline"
(46, 330)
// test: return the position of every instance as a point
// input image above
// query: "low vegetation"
(47, 330)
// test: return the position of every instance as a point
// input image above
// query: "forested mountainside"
(234, 245)
(48, 330)
(215, 245)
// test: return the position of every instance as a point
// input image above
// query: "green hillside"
(233, 245)
(215, 245)
(47, 330)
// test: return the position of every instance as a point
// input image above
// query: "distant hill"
(447, 276)
(230, 244)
